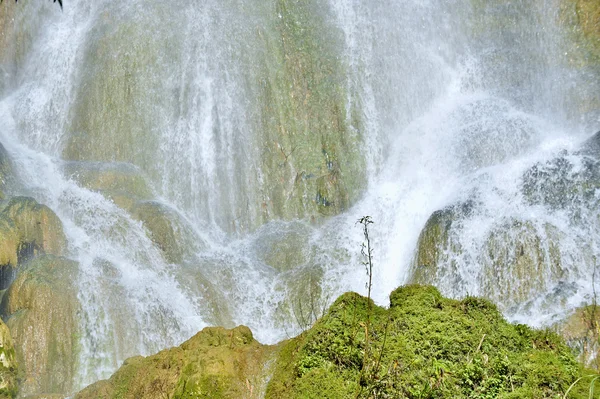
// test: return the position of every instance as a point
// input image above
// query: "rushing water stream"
(442, 103)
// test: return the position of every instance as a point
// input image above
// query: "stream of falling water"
(458, 100)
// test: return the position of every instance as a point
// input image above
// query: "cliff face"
(424, 345)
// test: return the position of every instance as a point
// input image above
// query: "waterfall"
(209, 161)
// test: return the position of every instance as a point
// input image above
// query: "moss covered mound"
(423, 346)
(215, 363)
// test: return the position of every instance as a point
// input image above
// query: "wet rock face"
(515, 260)
(41, 310)
(168, 230)
(122, 182)
(215, 363)
(310, 141)
(27, 229)
(581, 332)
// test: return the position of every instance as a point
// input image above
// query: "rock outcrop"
(215, 363)
(41, 310)
(122, 182)
(27, 229)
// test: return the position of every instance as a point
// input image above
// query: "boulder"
(37, 225)
(581, 331)
(515, 260)
(27, 229)
(122, 182)
(41, 310)
(168, 230)
(215, 363)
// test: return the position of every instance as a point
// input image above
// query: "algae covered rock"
(122, 182)
(310, 137)
(27, 229)
(38, 225)
(8, 364)
(424, 345)
(168, 230)
(581, 331)
(215, 363)
(41, 310)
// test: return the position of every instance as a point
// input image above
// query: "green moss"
(215, 363)
(423, 346)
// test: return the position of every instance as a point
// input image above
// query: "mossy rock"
(283, 245)
(423, 346)
(41, 310)
(310, 145)
(8, 364)
(215, 363)
(37, 225)
(581, 331)
(122, 182)
(168, 230)
(27, 229)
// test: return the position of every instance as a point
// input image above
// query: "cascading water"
(209, 112)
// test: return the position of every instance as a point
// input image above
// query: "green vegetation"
(432, 348)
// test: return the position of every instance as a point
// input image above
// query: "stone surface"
(37, 225)
(27, 229)
(310, 141)
(581, 331)
(41, 310)
(516, 259)
(122, 182)
(215, 363)
(168, 230)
